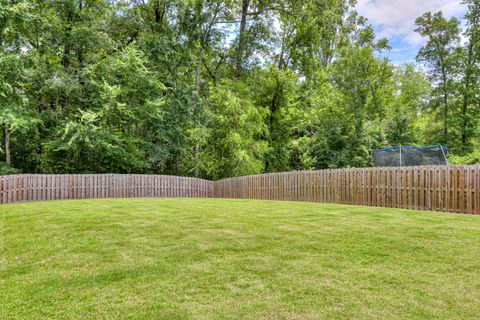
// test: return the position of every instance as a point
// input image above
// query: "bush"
(6, 169)
(471, 158)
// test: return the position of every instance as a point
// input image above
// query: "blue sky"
(395, 20)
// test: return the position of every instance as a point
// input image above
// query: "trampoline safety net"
(402, 156)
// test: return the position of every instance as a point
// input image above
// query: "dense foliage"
(222, 88)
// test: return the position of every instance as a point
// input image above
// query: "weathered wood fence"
(33, 187)
(437, 188)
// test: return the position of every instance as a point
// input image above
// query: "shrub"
(6, 169)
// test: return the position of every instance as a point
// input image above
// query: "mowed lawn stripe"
(235, 259)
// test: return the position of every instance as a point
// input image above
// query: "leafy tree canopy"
(225, 88)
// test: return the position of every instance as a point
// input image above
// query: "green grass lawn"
(235, 259)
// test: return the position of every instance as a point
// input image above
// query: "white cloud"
(396, 18)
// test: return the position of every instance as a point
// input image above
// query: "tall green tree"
(361, 75)
(410, 92)
(216, 88)
(470, 71)
(234, 146)
(441, 55)
(14, 64)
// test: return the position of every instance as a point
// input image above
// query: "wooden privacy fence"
(33, 187)
(437, 188)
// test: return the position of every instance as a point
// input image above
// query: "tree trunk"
(464, 113)
(376, 104)
(197, 161)
(159, 12)
(66, 48)
(198, 88)
(466, 93)
(445, 116)
(445, 106)
(273, 110)
(197, 72)
(6, 143)
(241, 38)
(177, 164)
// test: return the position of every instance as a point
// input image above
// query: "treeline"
(224, 88)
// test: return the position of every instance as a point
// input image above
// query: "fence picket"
(436, 188)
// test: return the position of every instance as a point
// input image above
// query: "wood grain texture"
(436, 188)
(40, 187)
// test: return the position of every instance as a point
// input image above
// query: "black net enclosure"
(403, 156)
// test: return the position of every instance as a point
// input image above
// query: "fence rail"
(436, 188)
(33, 187)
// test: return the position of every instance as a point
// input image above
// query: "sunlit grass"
(235, 259)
